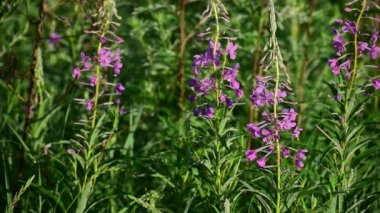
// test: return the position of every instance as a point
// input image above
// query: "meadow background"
(157, 156)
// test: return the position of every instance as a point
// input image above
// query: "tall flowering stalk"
(269, 96)
(98, 74)
(216, 91)
(98, 68)
(355, 52)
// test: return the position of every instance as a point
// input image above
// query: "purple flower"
(338, 42)
(225, 99)
(89, 105)
(362, 47)
(93, 81)
(234, 84)
(117, 64)
(193, 83)
(285, 152)
(197, 63)
(374, 36)
(299, 164)
(261, 162)
(212, 55)
(208, 112)
(76, 72)
(349, 26)
(206, 85)
(119, 88)
(86, 61)
(116, 68)
(376, 84)
(192, 98)
(346, 65)
(301, 154)
(271, 148)
(336, 70)
(254, 130)
(251, 154)
(231, 49)
(374, 51)
(196, 111)
(280, 95)
(102, 39)
(296, 132)
(333, 62)
(239, 93)
(231, 73)
(54, 38)
(288, 122)
(104, 57)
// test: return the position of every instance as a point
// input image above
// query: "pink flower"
(76, 73)
(346, 65)
(376, 84)
(301, 154)
(285, 152)
(254, 130)
(362, 47)
(102, 39)
(104, 57)
(296, 132)
(251, 154)
(93, 81)
(86, 61)
(336, 70)
(231, 48)
(333, 62)
(374, 51)
(261, 162)
(89, 105)
(119, 88)
(299, 164)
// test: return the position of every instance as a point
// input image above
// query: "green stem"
(354, 70)
(97, 68)
(277, 142)
(97, 71)
(216, 39)
(276, 59)
(348, 98)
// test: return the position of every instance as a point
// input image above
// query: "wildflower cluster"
(273, 124)
(269, 92)
(206, 84)
(106, 60)
(349, 50)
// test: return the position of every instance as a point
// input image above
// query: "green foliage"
(158, 157)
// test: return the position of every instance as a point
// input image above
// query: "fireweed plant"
(355, 41)
(97, 73)
(279, 121)
(216, 91)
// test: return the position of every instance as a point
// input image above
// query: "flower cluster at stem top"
(270, 129)
(206, 80)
